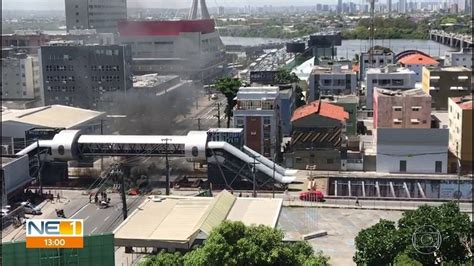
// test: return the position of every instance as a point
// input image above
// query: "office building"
(402, 109)
(445, 82)
(82, 75)
(390, 77)
(92, 14)
(331, 81)
(257, 113)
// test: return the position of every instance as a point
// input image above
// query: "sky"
(59, 4)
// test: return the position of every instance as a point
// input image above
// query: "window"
(266, 121)
(397, 108)
(329, 161)
(403, 166)
(438, 166)
(298, 159)
(416, 108)
(397, 82)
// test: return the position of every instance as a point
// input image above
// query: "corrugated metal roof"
(217, 211)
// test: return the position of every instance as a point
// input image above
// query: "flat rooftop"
(176, 221)
(51, 116)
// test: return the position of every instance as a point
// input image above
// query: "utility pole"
(39, 167)
(199, 123)
(254, 193)
(459, 195)
(122, 192)
(167, 166)
(218, 114)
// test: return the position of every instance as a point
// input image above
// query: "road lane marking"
(107, 218)
(93, 230)
(85, 206)
(85, 219)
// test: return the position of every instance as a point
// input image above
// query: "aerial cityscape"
(194, 132)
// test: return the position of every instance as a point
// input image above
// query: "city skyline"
(59, 4)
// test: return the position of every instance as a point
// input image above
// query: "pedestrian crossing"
(211, 117)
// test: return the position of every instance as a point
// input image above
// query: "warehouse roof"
(51, 116)
(176, 221)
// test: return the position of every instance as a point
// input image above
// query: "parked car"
(5, 210)
(30, 209)
(313, 195)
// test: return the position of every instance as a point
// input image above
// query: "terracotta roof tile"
(465, 102)
(321, 108)
(417, 59)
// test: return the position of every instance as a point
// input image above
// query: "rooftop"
(151, 80)
(320, 108)
(392, 69)
(176, 221)
(51, 116)
(257, 93)
(398, 93)
(417, 59)
(465, 102)
(413, 137)
(335, 69)
(450, 68)
(341, 98)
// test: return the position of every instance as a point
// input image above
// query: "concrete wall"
(420, 148)
(409, 80)
(16, 174)
(324, 159)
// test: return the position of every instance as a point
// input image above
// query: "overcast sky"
(59, 4)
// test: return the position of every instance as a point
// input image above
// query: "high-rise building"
(403, 6)
(389, 6)
(339, 6)
(101, 15)
(83, 75)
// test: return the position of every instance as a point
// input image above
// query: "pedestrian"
(96, 199)
(90, 197)
(240, 194)
(58, 197)
(357, 202)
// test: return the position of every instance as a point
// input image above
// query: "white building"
(15, 175)
(21, 79)
(257, 113)
(390, 77)
(412, 150)
(459, 58)
(15, 123)
(379, 58)
(331, 81)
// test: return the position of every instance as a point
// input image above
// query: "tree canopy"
(424, 236)
(229, 87)
(233, 243)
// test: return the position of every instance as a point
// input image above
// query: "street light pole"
(167, 166)
(39, 167)
(254, 194)
(218, 114)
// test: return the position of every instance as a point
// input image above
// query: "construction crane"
(372, 31)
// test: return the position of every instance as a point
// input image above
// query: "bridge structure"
(233, 166)
(454, 40)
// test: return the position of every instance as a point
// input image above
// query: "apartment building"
(21, 80)
(377, 57)
(402, 109)
(459, 58)
(445, 82)
(460, 131)
(257, 113)
(331, 81)
(416, 62)
(350, 104)
(390, 77)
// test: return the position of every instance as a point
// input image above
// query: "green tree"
(284, 76)
(455, 229)
(233, 243)
(229, 87)
(377, 245)
(164, 259)
(383, 243)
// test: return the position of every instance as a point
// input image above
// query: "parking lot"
(342, 226)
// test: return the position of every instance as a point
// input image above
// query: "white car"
(30, 209)
(214, 96)
(5, 211)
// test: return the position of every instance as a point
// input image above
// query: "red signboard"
(164, 28)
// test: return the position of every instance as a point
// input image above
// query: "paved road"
(97, 220)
